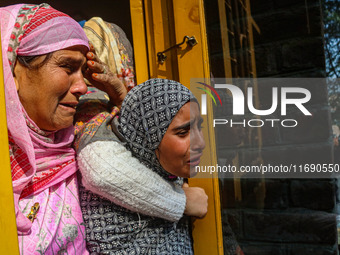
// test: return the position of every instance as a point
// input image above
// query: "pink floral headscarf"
(38, 159)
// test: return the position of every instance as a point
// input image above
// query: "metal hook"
(191, 41)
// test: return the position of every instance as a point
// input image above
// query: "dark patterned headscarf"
(146, 114)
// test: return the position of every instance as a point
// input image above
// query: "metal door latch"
(191, 41)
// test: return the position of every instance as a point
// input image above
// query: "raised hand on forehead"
(100, 76)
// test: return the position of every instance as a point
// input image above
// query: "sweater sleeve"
(108, 169)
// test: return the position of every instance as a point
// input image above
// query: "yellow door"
(157, 25)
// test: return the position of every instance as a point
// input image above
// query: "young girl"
(160, 124)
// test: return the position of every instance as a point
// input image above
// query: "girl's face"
(182, 145)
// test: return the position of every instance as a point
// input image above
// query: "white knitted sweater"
(108, 169)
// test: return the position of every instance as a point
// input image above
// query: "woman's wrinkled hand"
(197, 201)
(100, 76)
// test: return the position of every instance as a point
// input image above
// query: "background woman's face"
(182, 145)
(51, 92)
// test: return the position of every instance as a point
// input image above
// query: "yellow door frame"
(163, 25)
(190, 20)
(139, 45)
(8, 227)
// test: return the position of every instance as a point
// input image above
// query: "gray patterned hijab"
(146, 114)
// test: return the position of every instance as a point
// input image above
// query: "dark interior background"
(113, 11)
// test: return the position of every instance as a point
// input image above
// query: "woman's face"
(182, 145)
(51, 92)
